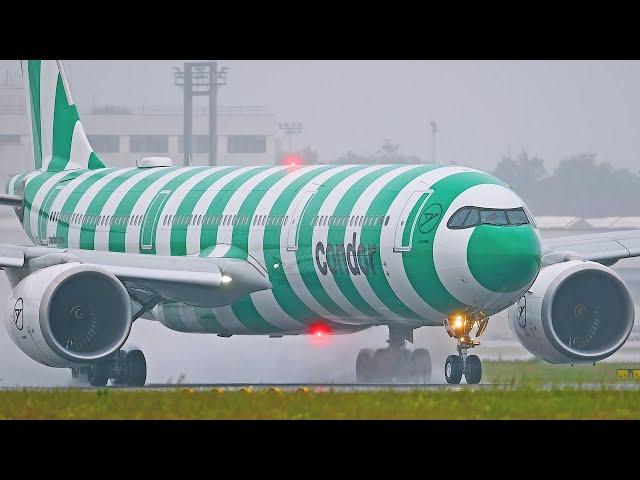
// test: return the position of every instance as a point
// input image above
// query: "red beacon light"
(319, 330)
(293, 160)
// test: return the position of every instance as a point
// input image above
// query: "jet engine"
(575, 312)
(69, 314)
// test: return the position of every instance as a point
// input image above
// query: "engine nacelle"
(69, 314)
(575, 312)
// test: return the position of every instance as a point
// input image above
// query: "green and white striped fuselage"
(349, 246)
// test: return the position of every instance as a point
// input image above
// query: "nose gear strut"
(460, 326)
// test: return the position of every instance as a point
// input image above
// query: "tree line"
(580, 185)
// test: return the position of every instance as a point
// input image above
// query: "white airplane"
(288, 250)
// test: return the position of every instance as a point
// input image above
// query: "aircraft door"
(294, 220)
(408, 219)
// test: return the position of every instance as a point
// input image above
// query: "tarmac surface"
(336, 387)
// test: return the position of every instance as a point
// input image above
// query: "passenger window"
(386, 221)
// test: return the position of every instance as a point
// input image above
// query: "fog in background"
(552, 109)
(484, 111)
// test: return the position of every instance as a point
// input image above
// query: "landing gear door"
(294, 221)
(408, 220)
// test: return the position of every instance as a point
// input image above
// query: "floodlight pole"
(434, 130)
(208, 79)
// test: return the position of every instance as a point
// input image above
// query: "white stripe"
(25, 74)
(225, 232)
(80, 149)
(220, 250)
(163, 234)
(64, 194)
(189, 318)
(289, 261)
(194, 234)
(226, 318)
(101, 238)
(321, 233)
(360, 207)
(85, 201)
(395, 268)
(132, 234)
(264, 300)
(450, 248)
(39, 197)
(48, 83)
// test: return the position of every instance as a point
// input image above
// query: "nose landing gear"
(460, 327)
(395, 363)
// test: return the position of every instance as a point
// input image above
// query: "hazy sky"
(551, 108)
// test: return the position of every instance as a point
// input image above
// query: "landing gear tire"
(98, 374)
(473, 369)
(365, 367)
(383, 365)
(421, 366)
(453, 369)
(136, 366)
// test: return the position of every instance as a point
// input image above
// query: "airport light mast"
(290, 129)
(200, 79)
(434, 130)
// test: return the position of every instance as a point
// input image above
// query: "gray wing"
(200, 281)
(606, 248)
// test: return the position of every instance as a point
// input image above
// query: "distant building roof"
(551, 222)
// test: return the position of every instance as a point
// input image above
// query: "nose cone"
(504, 258)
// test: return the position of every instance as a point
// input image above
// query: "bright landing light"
(226, 279)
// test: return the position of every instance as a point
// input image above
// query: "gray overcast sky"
(551, 108)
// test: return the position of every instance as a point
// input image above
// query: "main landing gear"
(460, 326)
(395, 363)
(128, 368)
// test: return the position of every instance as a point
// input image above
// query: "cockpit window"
(468, 217)
(493, 217)
(517, 217)
(458, 218)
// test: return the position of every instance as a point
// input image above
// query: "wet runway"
(336, 387)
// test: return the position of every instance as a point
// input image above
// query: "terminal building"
(121, 135)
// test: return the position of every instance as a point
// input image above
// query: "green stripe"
(408, 225)
(305, 254)
(62, 232)
(418, 263)
(64, 120)
(47, 203)
(30, 191)
(336, 236)
(34, 88)
(117, 233)
(208, 320)
(88, 232)
(245, 308)
(152, 215)
(282, 291)
(240, 237)
(178, 242)
(172, 317)
(380, 206)
(208, 238)
(209, 235)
